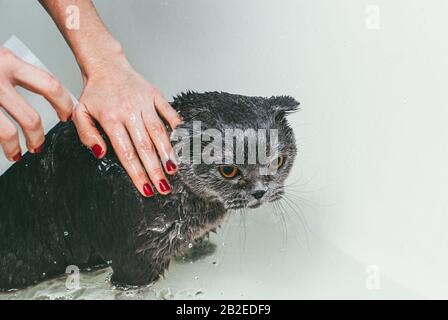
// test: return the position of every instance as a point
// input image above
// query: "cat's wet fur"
(64, 207)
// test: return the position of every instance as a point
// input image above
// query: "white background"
(372, 132)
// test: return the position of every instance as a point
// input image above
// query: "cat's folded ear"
(283, 104)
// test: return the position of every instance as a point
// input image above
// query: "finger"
(148, 155)
(40, 82)
(9, 139)
(28, 119)
(128, 157)
(167, 111)
(159, 137)
(87, 131)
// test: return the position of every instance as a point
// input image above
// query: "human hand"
(129, 109)
(126, 106)
(15, 72)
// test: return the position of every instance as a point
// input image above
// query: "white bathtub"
(372, 137)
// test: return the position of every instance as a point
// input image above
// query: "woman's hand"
(129, 109)
(15, 72)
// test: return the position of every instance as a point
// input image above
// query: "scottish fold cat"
(64, 207)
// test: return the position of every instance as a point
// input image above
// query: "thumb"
(87, 131)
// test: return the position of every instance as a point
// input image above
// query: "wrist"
(98, 58)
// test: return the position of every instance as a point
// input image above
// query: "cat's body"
(64, 207)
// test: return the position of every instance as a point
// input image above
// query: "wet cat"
(63, 207)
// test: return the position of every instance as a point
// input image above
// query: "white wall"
(372, 132)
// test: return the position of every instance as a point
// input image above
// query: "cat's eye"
(277, 163)
(228, 171)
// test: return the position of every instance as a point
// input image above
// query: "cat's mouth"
(236, 204)
(245, 205)
(239, 203)
(255, 205)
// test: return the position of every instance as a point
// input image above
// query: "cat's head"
(243, 174)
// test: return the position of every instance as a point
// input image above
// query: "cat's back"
(36, 211)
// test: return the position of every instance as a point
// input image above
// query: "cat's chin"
(250, 205)
(236, 206)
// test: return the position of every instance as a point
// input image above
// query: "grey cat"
(64, 207)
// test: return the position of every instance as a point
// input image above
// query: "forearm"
(92, 44)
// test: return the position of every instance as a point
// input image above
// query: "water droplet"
(190, 245)
(199, 293)
(65, 233)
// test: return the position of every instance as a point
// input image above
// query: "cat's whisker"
(296, 194)
(297, 210)
(296, 182)
(282, 211)
(306, 202)
(294, 208)
(243, 226)
(278, 213)
(296, 190)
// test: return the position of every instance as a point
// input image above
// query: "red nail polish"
(164, 186)
(69, 118)
(170, 166)
(147, 190)
(17, 157)
(97, 151)
(39, 149)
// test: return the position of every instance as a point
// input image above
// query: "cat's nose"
(258, 194)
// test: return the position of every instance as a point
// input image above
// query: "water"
(286, 267)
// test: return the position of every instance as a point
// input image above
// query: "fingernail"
(97, 151)
(17, 157)
(39, 149)
(69, 118)
(164, 186)
(170, 166)
(147, 190)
